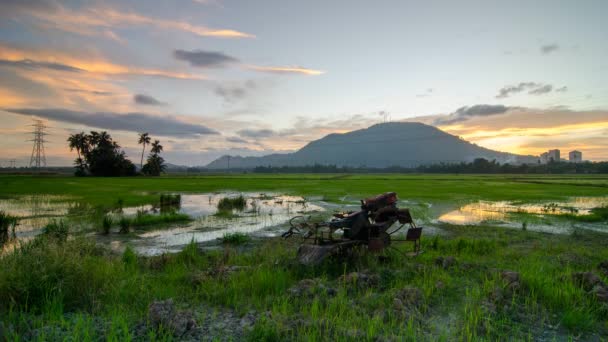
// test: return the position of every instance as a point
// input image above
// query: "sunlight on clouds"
(585, 136)
(10, 98)
(287, 70)
(90, 64)
(86, 21)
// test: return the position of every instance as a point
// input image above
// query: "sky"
(215, 77)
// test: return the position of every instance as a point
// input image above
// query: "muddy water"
(263, 215)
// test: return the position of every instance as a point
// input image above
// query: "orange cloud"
(10, 98)
(537, 131)
(90, 64)
(287, 70)
(81, 22)
(580, 128)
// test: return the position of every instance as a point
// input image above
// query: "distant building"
(550, 156)
(553, 155)
(575, 156)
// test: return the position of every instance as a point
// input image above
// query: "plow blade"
(314, 254)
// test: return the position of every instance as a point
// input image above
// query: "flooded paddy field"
(504, 258)
(265, 214)
(262, 214)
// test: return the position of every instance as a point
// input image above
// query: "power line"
(38, 158)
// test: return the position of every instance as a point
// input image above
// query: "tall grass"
(106, 224)
(235, 238)
(125, 225)
(456, 303)
(232, 203)
(56, 229)
(7, 227)
(142, 220)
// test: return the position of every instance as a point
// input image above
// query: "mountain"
(406, 144)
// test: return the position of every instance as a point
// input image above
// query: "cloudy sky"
(215, 77)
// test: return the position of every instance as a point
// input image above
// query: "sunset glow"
(271, 77)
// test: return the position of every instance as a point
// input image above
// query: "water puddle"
(36, 211)
(261, 214)
(542, 216)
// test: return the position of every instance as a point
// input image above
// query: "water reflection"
(261, 212)
(541, 216)
(36, 211)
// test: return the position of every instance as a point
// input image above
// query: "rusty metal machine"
(372, 227)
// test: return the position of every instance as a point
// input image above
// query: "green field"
(105, 191)
(472, 283)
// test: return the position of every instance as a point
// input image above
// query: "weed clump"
(7, 222)
(125, 225)
(57, 230)
(170, 203)
(229, 204)
(129, 257)
(106, 224)
(235, 238)
(170, 200)
(148, 220)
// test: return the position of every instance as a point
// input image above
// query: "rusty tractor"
(371, 227)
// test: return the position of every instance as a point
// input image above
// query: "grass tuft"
(232, 203)
(143, 220)
(125, 225)
(56, 229)
(106, 224)
(7, 224)
(235, 238)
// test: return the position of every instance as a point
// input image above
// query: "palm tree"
(80, 143)
(76, 142)
(155, 164)
(156, 147)
(144, 139)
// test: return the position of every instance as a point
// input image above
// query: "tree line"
(479, 165)
(99, 155)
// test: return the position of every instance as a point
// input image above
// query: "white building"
(553, 155)
(575, 156)
(550, 156)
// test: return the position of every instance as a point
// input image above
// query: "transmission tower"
(38, 159)
(12, 163)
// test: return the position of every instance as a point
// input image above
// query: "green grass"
(125, 225)
(7, 227)
(235, 238)
(106, 224)
(83, 279)
(143, 220)
(56, 229)
(72, 284)
(232, 203)
(454, 188)
(596, 215)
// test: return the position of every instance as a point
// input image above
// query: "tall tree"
(144, 139)
(79, 142)
(157, 148)
(100, 155)
(155, 164)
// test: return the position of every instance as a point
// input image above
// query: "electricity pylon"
(38, 159)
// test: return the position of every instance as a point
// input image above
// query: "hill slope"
(405, 144)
